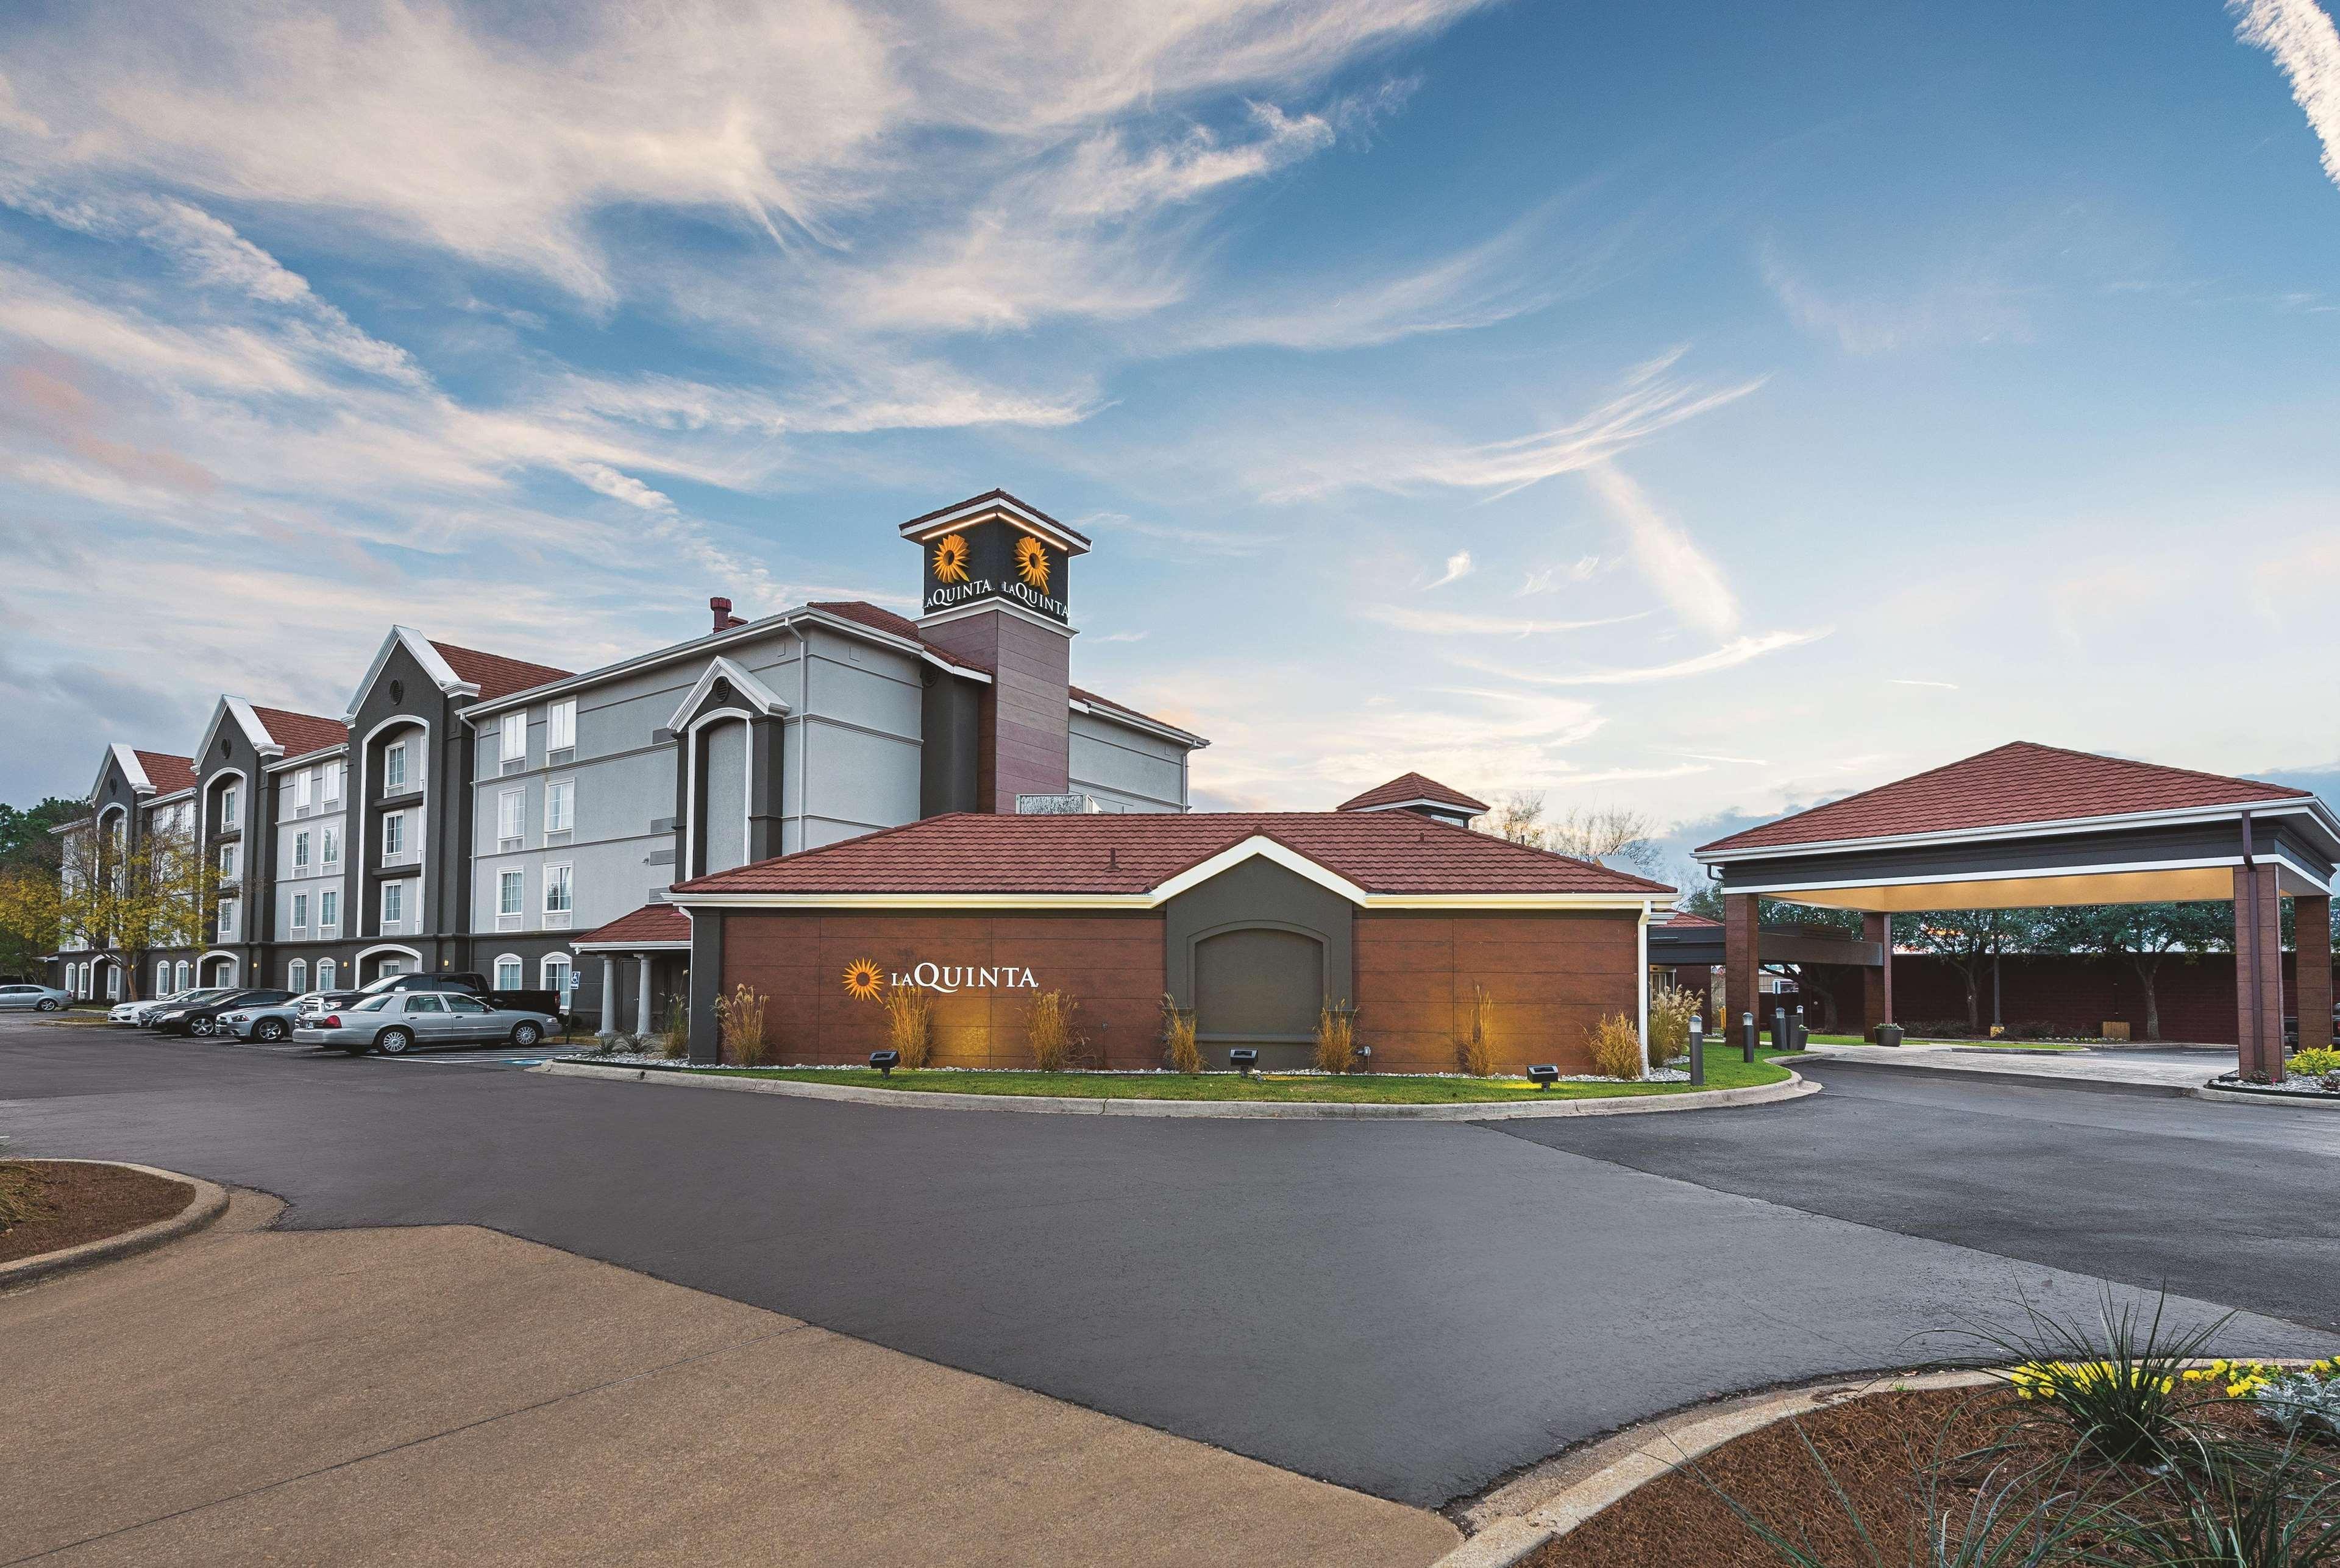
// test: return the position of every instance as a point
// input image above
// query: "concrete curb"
(1795, 1088)
(2266, 1097)
(208, 1204)
(1562, 1494)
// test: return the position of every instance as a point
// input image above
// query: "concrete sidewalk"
(2172, 1069)
(444, 1394)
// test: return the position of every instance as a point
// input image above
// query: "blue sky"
(1708, 408)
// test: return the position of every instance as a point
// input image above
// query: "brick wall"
(1553, 976)
(2077, 994)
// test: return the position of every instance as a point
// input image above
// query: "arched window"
(555, 971)
(325, 975)
(113, 983)
(184, 975)
(162, 977)
(297, 976)
(83, 990)
(508, 972)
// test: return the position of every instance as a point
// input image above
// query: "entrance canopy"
(2028, 826)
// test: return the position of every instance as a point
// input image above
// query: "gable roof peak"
(1409, 789)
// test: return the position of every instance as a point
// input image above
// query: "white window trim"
(162, 977)
(299, 912)
(519, 967)
(559, 717)
(328, 927)
(568, 824)
(328, 971)
(297, 976)
(559, 919)
(545, 968)
(512, 724)
(365, 749)
(393, 891)
(512, 825)
(397, 749)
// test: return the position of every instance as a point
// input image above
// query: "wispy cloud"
(1464, 622)
(1458, 567)
(1961, 307)
(1670, 560)
(1174, 538)
(1909, 680)
(1738, 651)
(1547, 578)
(2306, 47)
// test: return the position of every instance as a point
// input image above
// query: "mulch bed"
(89, 1203)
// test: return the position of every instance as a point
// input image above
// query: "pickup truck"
(318, 1003)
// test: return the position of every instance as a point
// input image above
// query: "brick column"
(1877, 984)
(2258, 971)
(2313, 916)
(1740, 962)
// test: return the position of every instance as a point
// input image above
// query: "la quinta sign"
(865, 980)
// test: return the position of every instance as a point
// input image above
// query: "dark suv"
(200, 1018)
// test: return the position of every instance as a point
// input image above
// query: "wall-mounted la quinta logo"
(866, 982)
(992, 551)
(863, 979)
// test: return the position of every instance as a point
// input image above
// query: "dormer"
(1423, 797)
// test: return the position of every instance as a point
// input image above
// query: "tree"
(1616, 836)
(29, 853)
(1519, 817)
(121, 898)
(2146, 934)
(1972, 941)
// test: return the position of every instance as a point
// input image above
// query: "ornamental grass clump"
(1616, 1047)
(739, 1026)
(2122, 1393)
(1048, 1031)
(1474, 1047)
(1336, 1038)
(1671, 1008)
(1178, 1045)
(22, 1194)
(910, 1024)
(674, 1040)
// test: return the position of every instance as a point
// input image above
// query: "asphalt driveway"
(1409, 1309)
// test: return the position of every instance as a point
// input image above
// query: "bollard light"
(1697, 1050)
(1747, 1035)
(885, 1061)
(1545, 1076)
(1242, 1059)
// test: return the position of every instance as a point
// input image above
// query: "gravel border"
(2238, 1094)
(208, 1204)
(1794, 1088)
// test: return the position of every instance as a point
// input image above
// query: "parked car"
(33, 998)
(396, 1022)
(201, 1018)
(184, 999)
(266, 1022)
(466, 983)
(138, 1011)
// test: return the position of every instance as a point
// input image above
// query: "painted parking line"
(467, 1060)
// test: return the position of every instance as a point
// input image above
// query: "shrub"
(1474, 1047)
(1670, 1011)
(1336, 1038)
(1178, 1037)
(739, 1026)
(1048, 1029)
(2121, 1391)
(1616, 1047)
(22, 1194)
(674, 1041)
(2321, 1062)
(910, 1024)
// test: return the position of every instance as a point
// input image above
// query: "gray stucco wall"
(1127, 769)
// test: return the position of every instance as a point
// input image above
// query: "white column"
(643, 1009)
(609, 994)
(1642, 981)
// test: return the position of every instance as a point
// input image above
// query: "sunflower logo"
(1032, 562)
(950, 558)
(863, 979)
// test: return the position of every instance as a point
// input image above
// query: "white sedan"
(136, 1012)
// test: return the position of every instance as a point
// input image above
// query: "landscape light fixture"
(884, 1061)
(1364, 1055)
(1242, 1059)
(1545, 1076)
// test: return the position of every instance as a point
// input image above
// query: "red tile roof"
(651, 922)
(886, 620)
(300, 734)
(494, 674)
(1683, 917)
(168, 774)
(2012, 784)
(1412, 787)
(1381, 852)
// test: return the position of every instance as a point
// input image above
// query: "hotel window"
(511, 889)
(299, 912)
(303, 782)
(561, 727)
(393, 768)
(227, 863)
(556, 972)
(162, 977)
(515, 738)
(328, 910)
(325, 974)
(512, 818)
(332, 782)
(508, 972)
(332, 846)
(113, 982)
(560, 805)
(297, 976)
(227, 920)
(559, 895)
(184, 975)
(393, 836)
(301, 853)
(227, 817)
(394, 904)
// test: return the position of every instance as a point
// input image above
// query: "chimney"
(724, 620)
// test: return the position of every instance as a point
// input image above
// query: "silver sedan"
(395, 1022)
(267, 1022)
(38, 998)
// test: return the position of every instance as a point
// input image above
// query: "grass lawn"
(1723, 1071)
